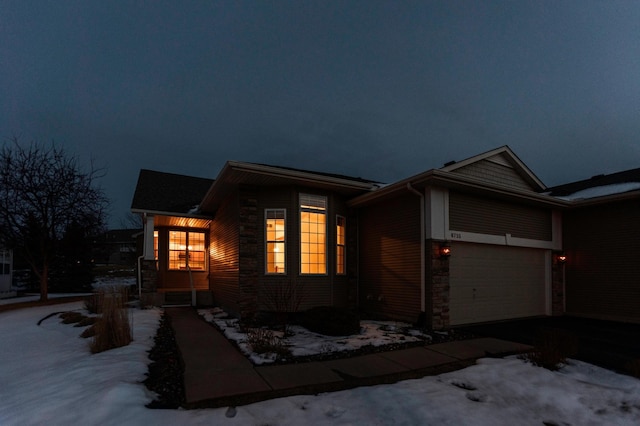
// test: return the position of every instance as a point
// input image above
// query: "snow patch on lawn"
(302, 342)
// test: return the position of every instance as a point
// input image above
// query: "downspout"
(193, 290)
(140, 280)
(422, 248)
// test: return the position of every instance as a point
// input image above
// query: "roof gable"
(499, 166)
(168, 193)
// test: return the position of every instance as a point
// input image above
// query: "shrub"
(71, 317)
(552, 348)
(86, 321)
(263, 340)
(113, 329)
(331, 321)
(89, 332)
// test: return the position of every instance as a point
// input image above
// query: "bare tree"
(131, 221)
(44, 192)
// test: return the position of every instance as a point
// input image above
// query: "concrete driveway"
(609, 344)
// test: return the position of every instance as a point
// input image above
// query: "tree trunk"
(44, 283)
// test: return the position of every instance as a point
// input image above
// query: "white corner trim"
(556, 229)
(436, 213)
(548, 282)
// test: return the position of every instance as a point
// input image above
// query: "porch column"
(148, 237)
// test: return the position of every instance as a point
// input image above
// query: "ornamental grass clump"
(113, 330)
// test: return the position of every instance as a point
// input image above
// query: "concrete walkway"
(217, 374)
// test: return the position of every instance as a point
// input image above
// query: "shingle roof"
(626, 176)
(168, 192)
(333, 175)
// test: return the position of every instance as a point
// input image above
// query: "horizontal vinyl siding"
(468, 213)
(493, 172)
(224, 255)
(389, 247)
(602, 244)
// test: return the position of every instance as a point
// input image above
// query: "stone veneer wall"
(248, 252)
(438, 276)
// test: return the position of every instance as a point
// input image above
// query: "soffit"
(181, 222)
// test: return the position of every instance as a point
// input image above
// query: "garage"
(493, 282)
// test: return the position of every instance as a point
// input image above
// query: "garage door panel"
(490, 283)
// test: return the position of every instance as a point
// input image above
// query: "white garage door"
(491, 283)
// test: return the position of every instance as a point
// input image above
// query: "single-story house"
(474, 241)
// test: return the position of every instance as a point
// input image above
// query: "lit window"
(186, 250)
(313, 231)
(340, 245)
(155, 245)
(275, 240)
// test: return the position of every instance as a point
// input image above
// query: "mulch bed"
(165, 375)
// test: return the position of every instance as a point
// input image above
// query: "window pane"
(340, 245)
(177, 250)
(275, 241)
(155, 245)
(312, 234)
(187, 249)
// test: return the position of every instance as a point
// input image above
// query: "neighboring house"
(116, 247)
(602, 243)
(6, 273)
(474, 241)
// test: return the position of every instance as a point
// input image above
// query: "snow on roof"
(602, 191)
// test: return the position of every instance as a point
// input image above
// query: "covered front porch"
(174, 266)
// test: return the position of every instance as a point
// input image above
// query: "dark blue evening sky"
(381, 90)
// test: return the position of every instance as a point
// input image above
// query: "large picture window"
(341, 242)
(313, 234)
(275, 239)
(186, 250)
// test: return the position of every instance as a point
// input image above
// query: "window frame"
(187, 251)
(267, 241)
(323, 209)
(341, 264)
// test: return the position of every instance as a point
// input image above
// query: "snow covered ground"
(302, 342)
(48, 376)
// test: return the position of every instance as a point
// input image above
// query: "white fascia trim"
(163, 213)
(556, 229)
(500, 240)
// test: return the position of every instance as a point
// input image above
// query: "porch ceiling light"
(561, 258)
(445, 249)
